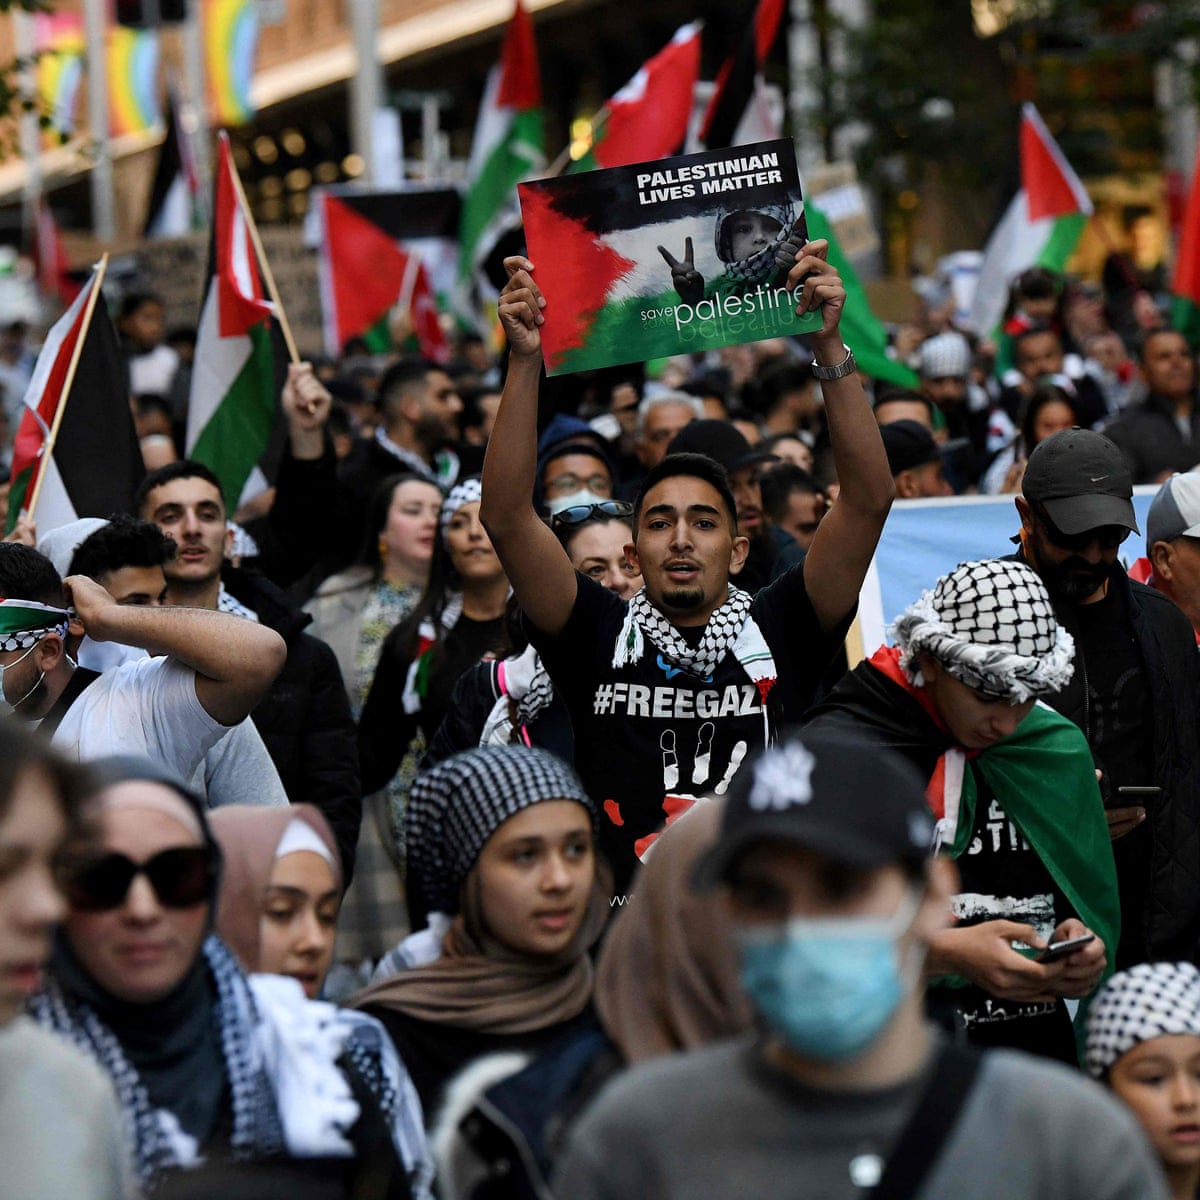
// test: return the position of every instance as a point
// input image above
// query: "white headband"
(300, 835)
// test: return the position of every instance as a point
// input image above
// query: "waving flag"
(235, 379)
(132, 64)
(1185, 286)
(509, 146)
(648, 117)
(59, 41)
(230, 50)
(739, 80)
(174, 207)
(1041, 228)
(79, 459)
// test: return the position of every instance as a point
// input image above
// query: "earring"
(382, 549)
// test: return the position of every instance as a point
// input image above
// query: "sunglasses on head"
(1109, 536)
(579, 514)
(181, 878)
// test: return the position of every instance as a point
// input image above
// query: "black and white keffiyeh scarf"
(1149, 1000)
(281, 1052)
(761, 266)
(644, 622)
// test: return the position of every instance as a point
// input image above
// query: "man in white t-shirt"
(210, 668)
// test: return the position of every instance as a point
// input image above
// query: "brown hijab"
(479, 984)
(249, 836)
(667, 977)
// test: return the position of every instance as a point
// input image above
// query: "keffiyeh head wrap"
(1147, 1001)
(468, 492)
(992, 626)
(760, 266)
(460, 803)
(23, 623)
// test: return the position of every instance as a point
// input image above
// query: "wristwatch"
(846, 367)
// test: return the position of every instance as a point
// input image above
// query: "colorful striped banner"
(133, 103)
(59, 42)
(230, 49)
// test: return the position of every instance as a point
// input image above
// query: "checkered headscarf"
(761, 266)
(992, 626)
(23, 623)
(1147, 1001)
(467, 492)
(455, 807)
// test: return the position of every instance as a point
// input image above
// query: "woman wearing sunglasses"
(206, 1063)
(60, 1128)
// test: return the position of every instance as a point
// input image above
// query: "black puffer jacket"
(305, 718)
(1168, 648)
(1151, 441)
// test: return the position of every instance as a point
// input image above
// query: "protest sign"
(665, 257)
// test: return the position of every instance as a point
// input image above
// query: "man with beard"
(1134, 692)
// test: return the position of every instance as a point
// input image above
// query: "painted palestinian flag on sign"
(665, 257)
(384, 250)
(93, 465)
(237, 374)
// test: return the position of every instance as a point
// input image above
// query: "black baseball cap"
(829, 791)
(908, 445)
(1082, 481)
(721, 441)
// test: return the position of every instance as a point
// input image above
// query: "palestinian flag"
(1185, 286)
(648, 117)
(739, 79)
(91, 465)
(383, 250)
(50, 256)
(862, 330)
(236, 379)
(1041, 227)
(175, 191)
(509, 146)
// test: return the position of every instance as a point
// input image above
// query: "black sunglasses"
(580, 514)
(181, 878)
(1109, 536)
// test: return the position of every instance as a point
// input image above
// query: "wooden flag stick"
(72, 367)
(284, 325)
(561, 163)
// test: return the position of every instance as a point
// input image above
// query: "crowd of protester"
(495, 807)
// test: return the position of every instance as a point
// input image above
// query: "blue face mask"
(827, 986)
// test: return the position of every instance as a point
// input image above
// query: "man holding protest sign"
(691, 675)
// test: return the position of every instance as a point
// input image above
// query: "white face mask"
(9, 707)
(583, 496)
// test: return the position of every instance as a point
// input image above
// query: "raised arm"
(235, 660)
(841, 551)
(537, 566)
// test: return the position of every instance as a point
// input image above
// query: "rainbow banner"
(59, 42)
(230, 48)
(133, 105)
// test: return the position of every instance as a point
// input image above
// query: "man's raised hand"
(520, 310)
(821, 286)
(686, 280)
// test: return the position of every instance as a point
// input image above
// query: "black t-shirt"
(1120, 731)
(1003, 879)
(651, 739)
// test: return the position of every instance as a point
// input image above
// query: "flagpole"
(284, 326)
(561, 163)
(76, 354)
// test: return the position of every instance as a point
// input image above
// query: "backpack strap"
(930, 1125)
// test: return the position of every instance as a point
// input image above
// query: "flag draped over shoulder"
(648, 117)
(235, 379)
(738, 80)
(509, 146)
(1040, 228)
(369, 266)
(93, 466)
(1185, 286)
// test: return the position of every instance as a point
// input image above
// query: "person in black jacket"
(1162, 434)
(305, 718)
(1134, 693)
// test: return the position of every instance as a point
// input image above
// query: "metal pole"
(366, 88)
(31, 148)
(804, 97)
(193, 114)
(104, 217)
